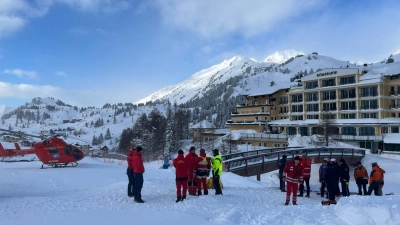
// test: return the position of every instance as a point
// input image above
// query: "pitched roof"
(204, 124)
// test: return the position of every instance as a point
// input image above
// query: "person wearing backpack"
(202, 171)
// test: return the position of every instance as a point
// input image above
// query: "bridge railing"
(262, 158)
(255, 152)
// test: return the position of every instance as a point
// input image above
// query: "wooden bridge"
(255, 163)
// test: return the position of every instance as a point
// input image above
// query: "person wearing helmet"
(322, 172)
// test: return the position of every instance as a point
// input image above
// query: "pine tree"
(94, 140)
(100, 139)
(108, 134)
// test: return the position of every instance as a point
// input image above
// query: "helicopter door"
(54, 152)
(67, 151)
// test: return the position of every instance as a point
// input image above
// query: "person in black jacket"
(282, 164)
(337, 169)
(344, 177)
(330, 178)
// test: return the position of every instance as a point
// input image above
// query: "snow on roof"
(338, 121)
(219, 131)
(204, 124)
(391, 138)
(376, 71)
(308, 141)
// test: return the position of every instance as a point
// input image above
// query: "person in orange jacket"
(129, 172)
(361, 177)
(375, 180)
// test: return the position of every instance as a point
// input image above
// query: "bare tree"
(328, 124)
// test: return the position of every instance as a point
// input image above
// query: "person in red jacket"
(202, 171)
(293, 175)
(306, 164)
(191, 159)
(138, 170)
(129, 172)
(181, 176)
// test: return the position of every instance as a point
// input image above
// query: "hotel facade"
(364, 106)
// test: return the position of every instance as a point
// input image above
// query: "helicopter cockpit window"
(67, 151)
(53, 150)
(75, 149)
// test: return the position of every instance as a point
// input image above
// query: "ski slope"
(95, 193)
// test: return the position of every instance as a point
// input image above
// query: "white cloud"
(210, 18)
(60, 73)
(21, 73)
(14, 14)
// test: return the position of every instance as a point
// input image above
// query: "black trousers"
(332, 185)
(217, 186)
(138, 185)
(307, 181)
(281, 182)
(345, 189)
(364, 187)
(323, 185)
(373, 187)
(131, 182)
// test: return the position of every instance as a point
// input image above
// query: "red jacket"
(191, 160)
(138, 166)
(293, 173)
(203, 166)
(306, 164)
(129, 159)
(180, 167)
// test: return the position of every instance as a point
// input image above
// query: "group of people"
(331, 174)
(135, 172)
(192, 171)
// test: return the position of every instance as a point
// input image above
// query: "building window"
(242, 143)
(259, 144)
(329, 106)
(297, 117)
(347, 80)
(276, 145)
(366, 131)
(345, 94)
(368, 115)
(348, 105)
(369, 92)
(312, 97)
(248, 143)
(348, 116)
(384, 130)
(265, 144)
(297, 98)
(349, 131)
(283, 100)
(312, 108)
(311, 85)
(328, 83)
(393, 114)
(297, 108)
(303, 131)
(291, 130)
(329, 95)
(312, 117)
(369, 104)
(395, 129)
(254, 102)
(256, 119)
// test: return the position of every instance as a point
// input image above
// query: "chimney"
(272, 83)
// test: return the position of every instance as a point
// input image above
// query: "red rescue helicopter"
(52, 151)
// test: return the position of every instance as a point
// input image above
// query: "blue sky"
(90, 52)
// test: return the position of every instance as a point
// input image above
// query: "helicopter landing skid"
(60, 165)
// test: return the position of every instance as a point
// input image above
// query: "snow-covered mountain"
(283, 56)
(5, 109)
(243, 74)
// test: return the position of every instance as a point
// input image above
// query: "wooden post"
(258, 177)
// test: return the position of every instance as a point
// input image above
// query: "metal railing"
(263, 136)
(242, 164)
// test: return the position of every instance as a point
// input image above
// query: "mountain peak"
(283, 56)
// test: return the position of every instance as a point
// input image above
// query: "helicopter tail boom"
(13, 152)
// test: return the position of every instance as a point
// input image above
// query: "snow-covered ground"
(95, 193)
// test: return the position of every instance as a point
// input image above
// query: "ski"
(391, 193)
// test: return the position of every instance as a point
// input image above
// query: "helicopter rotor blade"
(21, 133)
